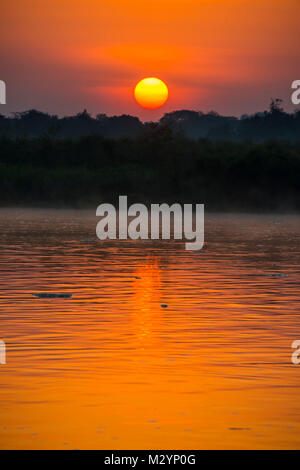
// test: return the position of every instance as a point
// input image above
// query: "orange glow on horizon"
(214, 55)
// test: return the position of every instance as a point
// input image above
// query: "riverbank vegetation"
(159, 165)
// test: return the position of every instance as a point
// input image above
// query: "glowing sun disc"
(151, 93)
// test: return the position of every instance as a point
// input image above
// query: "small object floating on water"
(239, 429)
(276, 275)
(164, 305)
(137, 277)
(46, 295)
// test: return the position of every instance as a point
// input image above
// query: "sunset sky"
(231, 56)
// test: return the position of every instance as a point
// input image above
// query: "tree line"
(273, 123)
(160, 164)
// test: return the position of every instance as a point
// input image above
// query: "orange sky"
(231, 56)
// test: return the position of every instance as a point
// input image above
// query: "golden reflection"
(145, 305)
(111, 369)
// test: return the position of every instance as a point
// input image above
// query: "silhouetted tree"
(273, 123)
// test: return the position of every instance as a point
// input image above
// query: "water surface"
(110, 368)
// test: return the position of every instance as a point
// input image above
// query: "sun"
(151, 93)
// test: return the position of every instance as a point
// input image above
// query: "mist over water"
(158, 347)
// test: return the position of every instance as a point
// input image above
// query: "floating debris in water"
(276, 275)
(164, 305)
(137, 277)
(45, 295)
(239, 429)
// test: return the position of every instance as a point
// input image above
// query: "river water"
(111, 368)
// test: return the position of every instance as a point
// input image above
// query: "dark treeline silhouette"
(159, 164)
(274, 123)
